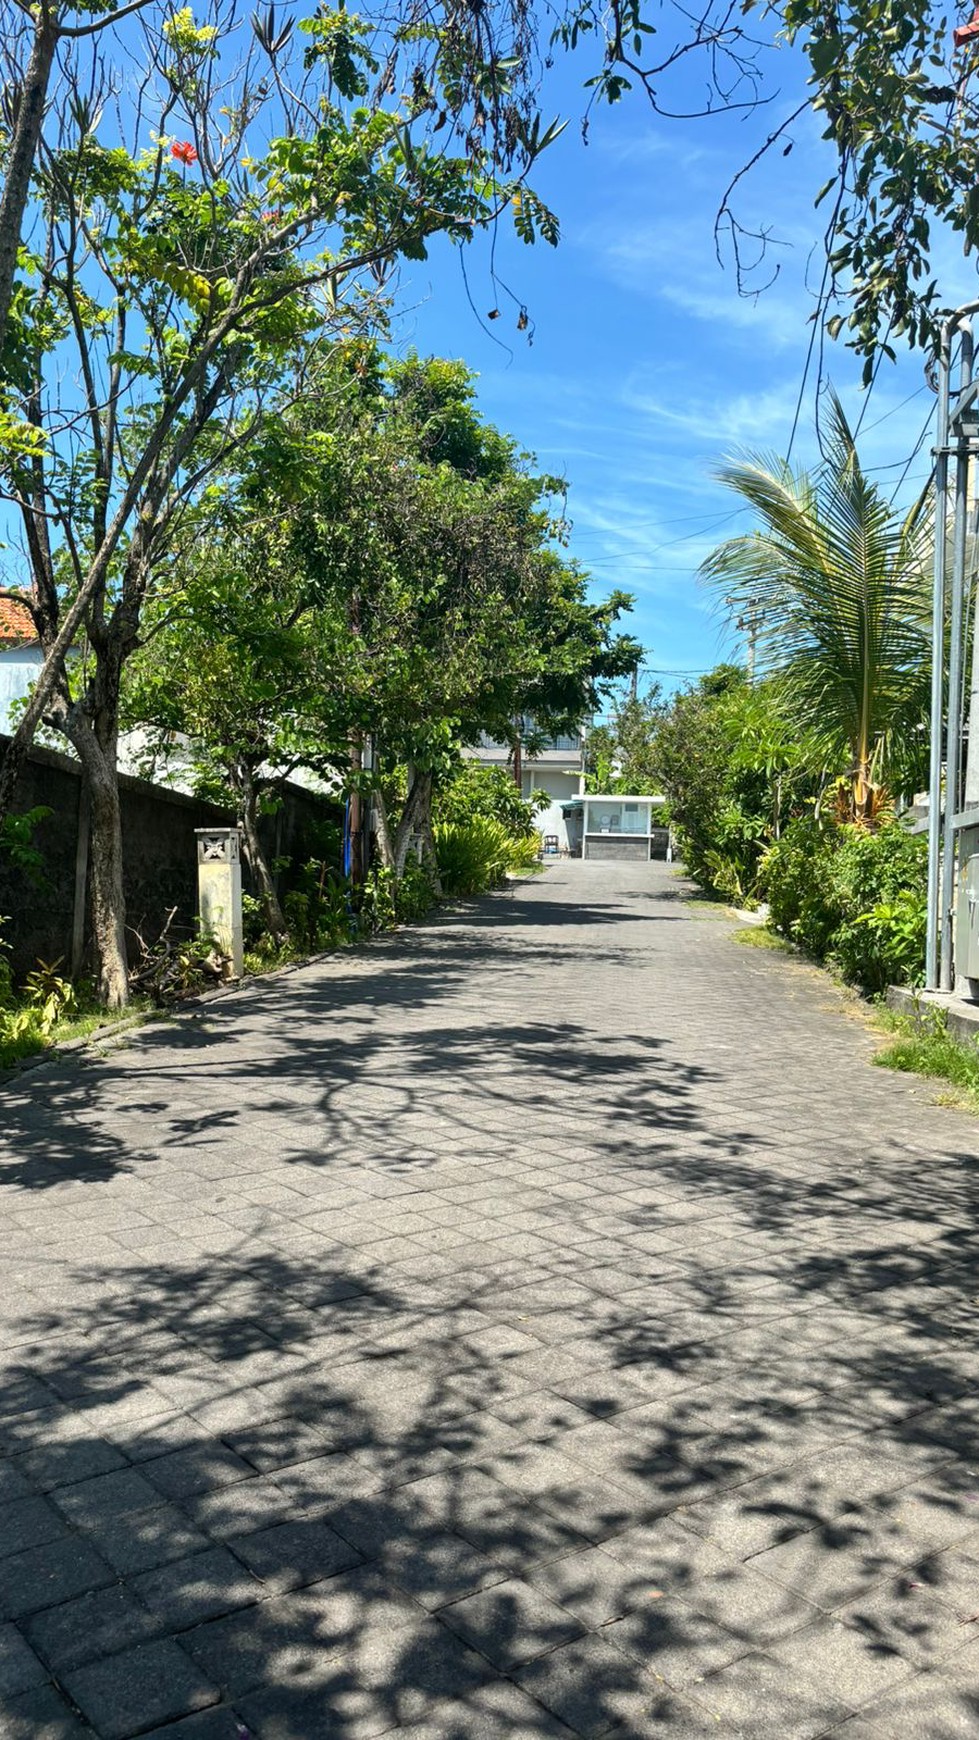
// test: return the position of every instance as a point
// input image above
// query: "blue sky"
(647, 368)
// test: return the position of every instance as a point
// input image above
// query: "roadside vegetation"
(789, 789)
(921, 1045)
(250, 533)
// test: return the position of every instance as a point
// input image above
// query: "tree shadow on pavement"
(469, 1371)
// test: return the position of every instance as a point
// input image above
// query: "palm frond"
(837, 585)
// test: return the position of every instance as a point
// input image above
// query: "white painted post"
(219, 893)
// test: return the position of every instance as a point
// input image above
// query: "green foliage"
(835, 583)
(475, 790)
(853, 898)
(524, 855)
(17, 842)
(797, 885)
(319, 911)
(387, 902)
(27, 1022)
(621, 753)
(926, 1048)
(733, 771)
(414, 894)
(903, 128)
(473, 856)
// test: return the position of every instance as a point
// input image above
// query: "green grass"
(758, 936)
(932, 1052)
(78, 1026)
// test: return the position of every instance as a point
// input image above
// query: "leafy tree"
(235, 678)
(837, 584)
(473, 790)
(620, 754)
(896, 102)
(734, 769)
(174, 288)
(30, 50)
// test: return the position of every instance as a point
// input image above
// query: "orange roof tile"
(16, 623)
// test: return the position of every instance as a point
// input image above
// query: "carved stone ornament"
(218, 845)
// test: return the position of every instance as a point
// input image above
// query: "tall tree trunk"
(382, 830)
(408, 823)
(101, 776)
(429, 854)
(357, 867)
(32, 97)
(258, 863)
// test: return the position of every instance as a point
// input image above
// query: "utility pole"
(748, 625)
(518, 753)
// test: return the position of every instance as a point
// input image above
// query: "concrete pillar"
(219, 892)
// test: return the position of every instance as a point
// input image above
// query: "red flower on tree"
(183, 153)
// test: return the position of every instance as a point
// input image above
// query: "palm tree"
(835, 584)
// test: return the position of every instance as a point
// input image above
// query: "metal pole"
(937, 669)
(954, 747)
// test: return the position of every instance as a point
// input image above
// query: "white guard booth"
(623, 829)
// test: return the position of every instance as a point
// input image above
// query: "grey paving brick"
(510, 1622)
(19, 1666)
(50, 1465)
(833, 1565)
(141, 1540)
(293, 1553)
(196, 1588)
(500, 1711)
(596, 1690)
(291, 1637)
(755, 1699)
(928, 1707)
(28, 1522)
(399, 1681)
(671, 1640)
(747, 1604)
(218, 1723)
(105, 1496)
(40, 1714)
(14, 1482)
(138, 1689)
(528, 1231)
(858, 1662)
(92, 1625)
(197, 1468)
(46, 1575)
(591, 1584)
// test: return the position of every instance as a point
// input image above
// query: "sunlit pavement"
(545, 1323)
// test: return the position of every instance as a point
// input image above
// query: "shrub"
(26, 1028)
(524, 854)
(880, 881)
(851, 897)
(414, 895)
(796, 881)
(477, 791)
(472, 856)
(386, 901)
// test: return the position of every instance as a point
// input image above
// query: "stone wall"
(49, 920)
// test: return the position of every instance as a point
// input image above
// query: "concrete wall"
(159, 850)
(559, 787)
(19, 666)
(617, 848)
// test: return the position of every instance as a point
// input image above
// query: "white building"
(617, 828)
(558, 768)
(20, 660)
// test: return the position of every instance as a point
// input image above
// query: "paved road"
(545, 1324)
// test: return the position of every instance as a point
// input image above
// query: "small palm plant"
(836, 585)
